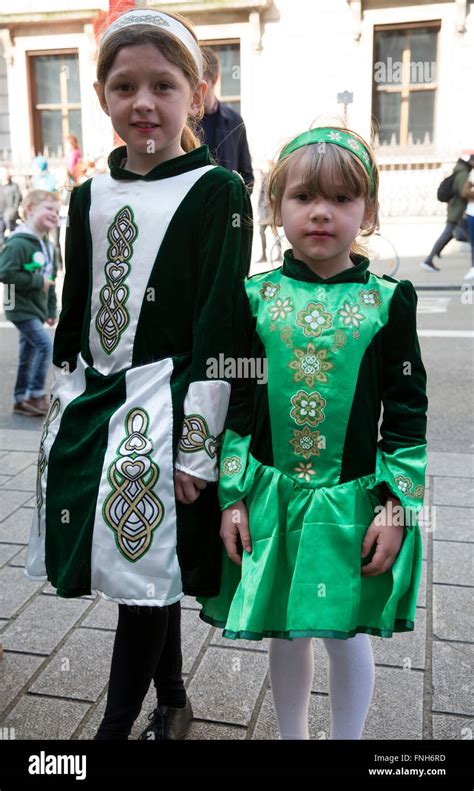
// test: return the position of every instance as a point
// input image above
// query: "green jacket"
(457, 204)
(24, 262)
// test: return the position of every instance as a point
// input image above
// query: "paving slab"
(15, 673)
(453, 562)
(450, 464)
(404, 649)
(103, 615)
(8, 553)
(227, 684)
(16, 460)
(453, 491)
(452, 613)
(13, 439)
(10, 501)
(16, 528)
(194, 634)
(453, 678)
(80, 669)
(43, 624)
(454, 523)
(451, 727)
(396, 710)
(37, 717)
(19, 558)
(24, 481)
(15, 590)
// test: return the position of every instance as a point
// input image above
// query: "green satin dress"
(306, 453)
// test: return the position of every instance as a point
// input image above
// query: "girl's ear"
(99, 89)
(197, 98)
(368, 218)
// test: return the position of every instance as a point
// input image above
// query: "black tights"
(147, 646)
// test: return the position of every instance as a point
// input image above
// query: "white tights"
(351, 683)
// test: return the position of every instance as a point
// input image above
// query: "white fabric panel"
(209, 400)
(66, 387)
(154, 579)
(153, 204)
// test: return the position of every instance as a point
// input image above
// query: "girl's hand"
(235, 531)
(187, 488)
(387, 538)
(51, 322)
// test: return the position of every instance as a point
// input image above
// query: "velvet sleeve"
(401, 452)
(224, 259)
(67, 340)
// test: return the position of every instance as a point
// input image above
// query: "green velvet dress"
(152, 264)
(305, 454)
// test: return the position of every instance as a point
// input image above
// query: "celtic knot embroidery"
(132, 510)
(113, 318)
(196, 436)
(42, 461)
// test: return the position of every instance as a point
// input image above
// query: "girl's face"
(148, 99)
(321, 230)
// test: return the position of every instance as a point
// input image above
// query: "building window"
(56, 99)
(228, 84)
(405, 83)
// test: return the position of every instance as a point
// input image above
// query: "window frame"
(36, 107)
(405, 88)
(219, 42)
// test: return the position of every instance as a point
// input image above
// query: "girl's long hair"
(170, 47)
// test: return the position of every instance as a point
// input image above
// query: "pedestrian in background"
(456, 208)
(10, 199)
(28, 266)
(223, 129)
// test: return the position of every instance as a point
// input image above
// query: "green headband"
(339, 137)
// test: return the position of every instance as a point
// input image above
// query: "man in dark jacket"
(223, 130)
(456, 208)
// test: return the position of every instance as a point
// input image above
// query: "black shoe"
(428, 265)
(168, 723)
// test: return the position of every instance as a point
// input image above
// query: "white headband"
(158, 19)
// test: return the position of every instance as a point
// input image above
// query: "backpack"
(446, 189)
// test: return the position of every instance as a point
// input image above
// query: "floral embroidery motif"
(132, 510)
(305, 471)
(196, 436)
(231, 465)
(268, 290)
(314, 319)
(405, 485)
(281, 309)
(306, 443)
(339, 340)
(351, 315)
(310, 365)
(308, 408)
(370, 298)
(285, 335)
(113, 318)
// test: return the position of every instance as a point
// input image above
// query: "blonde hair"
(326, 165)
(170, 47)
(35, 197)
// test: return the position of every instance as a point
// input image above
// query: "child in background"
(318, 515)
(155, 251)
(28, 267)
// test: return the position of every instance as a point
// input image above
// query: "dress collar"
(172, 167)
(298, 270)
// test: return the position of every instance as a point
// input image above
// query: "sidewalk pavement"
(57, 652)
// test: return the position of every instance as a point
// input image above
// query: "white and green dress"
(152, 263)
(305, 454)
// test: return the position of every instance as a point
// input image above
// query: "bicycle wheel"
(383, 257)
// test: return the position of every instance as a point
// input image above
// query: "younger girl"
(155, 251)
(322, 509)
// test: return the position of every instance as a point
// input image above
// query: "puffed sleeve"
(401, 452)
(67, 339)
(225, 250)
